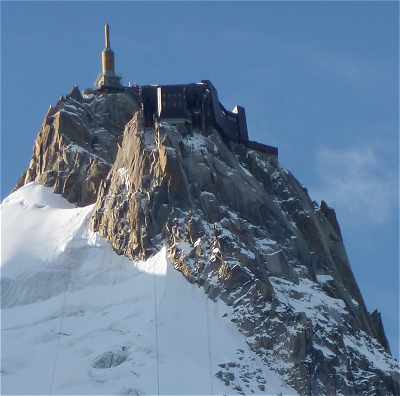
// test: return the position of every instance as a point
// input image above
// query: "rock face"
(235, 223)
(77, 143)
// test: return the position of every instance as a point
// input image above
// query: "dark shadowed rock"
(379, 331)
(110, 359)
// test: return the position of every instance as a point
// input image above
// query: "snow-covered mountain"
(177, 263)
(79, 319)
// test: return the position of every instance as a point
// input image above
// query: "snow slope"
(79, 319)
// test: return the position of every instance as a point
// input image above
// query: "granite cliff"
(235, 224)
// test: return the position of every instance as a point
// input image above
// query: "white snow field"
(79, 319)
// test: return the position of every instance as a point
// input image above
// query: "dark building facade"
(198, 105)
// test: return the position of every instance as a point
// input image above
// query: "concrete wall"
(226, 124)
(242, 124)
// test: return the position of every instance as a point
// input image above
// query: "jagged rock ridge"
(77, 143)
(235, 223)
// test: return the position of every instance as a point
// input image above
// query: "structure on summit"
(108, 78)
(196, 104)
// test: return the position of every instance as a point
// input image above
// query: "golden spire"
(107, 35)
(107, 77)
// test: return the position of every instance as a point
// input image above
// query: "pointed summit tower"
(108, 78)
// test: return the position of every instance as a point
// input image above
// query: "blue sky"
(318, 79)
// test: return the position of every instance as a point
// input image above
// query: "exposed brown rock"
(77, 144)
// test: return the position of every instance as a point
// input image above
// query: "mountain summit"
(224, 276)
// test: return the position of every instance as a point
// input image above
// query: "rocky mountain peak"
(77, 143)
(235, 223)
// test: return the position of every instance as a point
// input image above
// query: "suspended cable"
(210, 365)
(60, 327)
(156, 327)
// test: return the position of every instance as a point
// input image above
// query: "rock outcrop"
(235, 223)
(77, 143)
